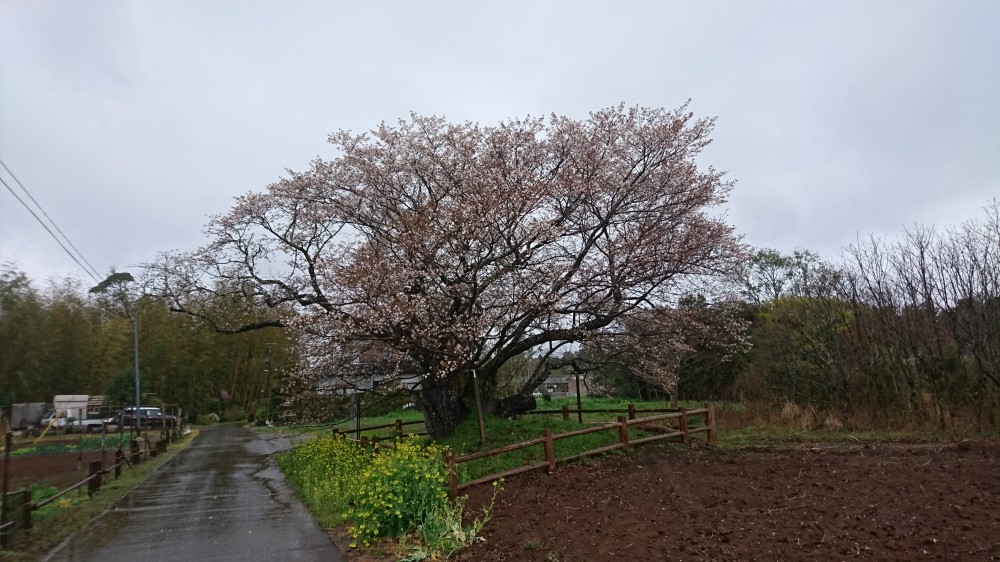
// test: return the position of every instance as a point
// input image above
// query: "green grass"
(407, 415)
(608, 404)
(72, 444)
(348, 426)
(762, 436)
(504, 431)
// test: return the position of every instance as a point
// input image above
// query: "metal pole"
(135, 349)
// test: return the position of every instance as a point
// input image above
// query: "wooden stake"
(479, 409)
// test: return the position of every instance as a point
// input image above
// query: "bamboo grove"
(56, 340)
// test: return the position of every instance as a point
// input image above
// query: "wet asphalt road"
(221, 498)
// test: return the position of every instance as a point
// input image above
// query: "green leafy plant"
(88, 443)
(402, 487)
(208, 419)
(444, 532)
(41, 493)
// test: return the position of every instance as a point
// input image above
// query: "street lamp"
(115, 284)
(135, 352)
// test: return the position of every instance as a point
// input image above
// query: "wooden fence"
(397, 425)
(684, 430)
(17, 507)
(631, 410)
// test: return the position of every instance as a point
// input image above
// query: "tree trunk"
(444, 405)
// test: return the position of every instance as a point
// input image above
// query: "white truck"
(62, 421)
(73, 413)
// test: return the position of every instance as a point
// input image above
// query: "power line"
(91, 271)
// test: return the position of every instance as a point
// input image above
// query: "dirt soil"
(883, 502)
(60, 470)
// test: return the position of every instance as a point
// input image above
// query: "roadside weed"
(443, 532)
(383, 491)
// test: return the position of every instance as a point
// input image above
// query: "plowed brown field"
(59, 470)
(806, 503)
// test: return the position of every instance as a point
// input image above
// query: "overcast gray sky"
(132, 122)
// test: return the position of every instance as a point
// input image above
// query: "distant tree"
(770, 275)
(121, 388)
(900, 330)
(462, 247)
(20, 331)
(931, 314)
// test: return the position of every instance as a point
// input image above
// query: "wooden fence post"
(119, 459)
(399, 428)
(565, 410)
(26, 507)
(94, 484)
(710, 421)
(686, 437)
(631, 411)
(136, 456)
(550, 450)
(449, 461)
(623, 430)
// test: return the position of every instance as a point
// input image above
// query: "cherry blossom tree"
(459, 247)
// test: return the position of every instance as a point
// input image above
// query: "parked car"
(148, 417)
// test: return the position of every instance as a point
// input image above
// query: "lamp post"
(115, 284)
(135, 353)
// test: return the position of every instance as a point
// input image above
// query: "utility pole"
(115, 284)
(135, 352)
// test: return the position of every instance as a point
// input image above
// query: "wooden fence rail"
(398, 425)
(547, 440)
(565, 411)
(631, 410)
